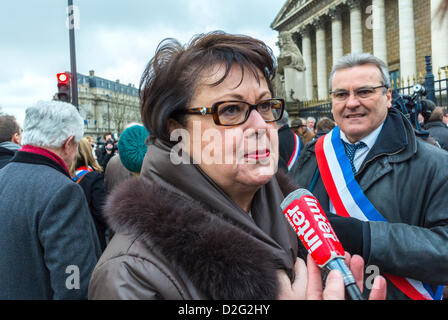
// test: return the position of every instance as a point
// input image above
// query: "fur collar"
(222, 260)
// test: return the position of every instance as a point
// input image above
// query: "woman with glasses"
(204, 220)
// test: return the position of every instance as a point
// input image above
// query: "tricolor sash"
(295, 154)
(80, 173)
(350, 201)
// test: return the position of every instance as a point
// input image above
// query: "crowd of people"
(123, 220)
(52, 196)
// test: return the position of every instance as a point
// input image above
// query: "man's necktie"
(350, 150)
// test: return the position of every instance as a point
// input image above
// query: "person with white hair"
(310, 124)
(48, 239)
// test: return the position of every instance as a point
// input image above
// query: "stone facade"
(105, 105)
(369, 25)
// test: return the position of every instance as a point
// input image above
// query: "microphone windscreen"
(296, 194)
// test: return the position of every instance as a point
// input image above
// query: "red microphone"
(309, 221)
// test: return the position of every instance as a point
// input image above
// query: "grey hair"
(359, 59)
(311, 118)
(51, 123)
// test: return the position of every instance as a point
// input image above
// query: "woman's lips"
(259, 154)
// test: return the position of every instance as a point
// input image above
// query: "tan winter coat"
(178, 236)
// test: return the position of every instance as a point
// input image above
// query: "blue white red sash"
(295, 154)
(350, 201)
(80, 172)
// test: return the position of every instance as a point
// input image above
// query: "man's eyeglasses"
(362, 93)
(234, 112)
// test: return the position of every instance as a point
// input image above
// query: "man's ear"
(68, 143)
(389, 97)
(16, 138)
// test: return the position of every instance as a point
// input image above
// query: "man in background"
(311, 124)
(302, 131)
(106, 152)
(437, 126)
(10, 138)
(48, 241)
(289, 144)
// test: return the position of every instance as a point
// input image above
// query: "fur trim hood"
(222, 260)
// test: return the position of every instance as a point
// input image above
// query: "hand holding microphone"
(307, 218)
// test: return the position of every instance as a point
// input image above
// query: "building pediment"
(289, 9)
(298, 13)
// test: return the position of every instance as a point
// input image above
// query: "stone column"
(336, 33)
(321, 59)
(355, 26)
(307, 59)
(379, 30)
(408, 66)
(439, 39)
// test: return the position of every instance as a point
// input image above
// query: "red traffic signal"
(63, 86)
(63, 77)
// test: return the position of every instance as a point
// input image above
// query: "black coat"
(286, 148)
(5, 156)
(405, 179)
(439, 131)
(104, 157)
(93, 185)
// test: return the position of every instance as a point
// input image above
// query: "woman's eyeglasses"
(234, 112)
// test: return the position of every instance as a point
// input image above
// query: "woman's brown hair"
(171, 78)
(84, 157)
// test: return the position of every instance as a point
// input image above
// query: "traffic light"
(64, 86)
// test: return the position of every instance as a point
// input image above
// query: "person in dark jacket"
(132, 147)
(323, 126)
(386, 188)
(106, 152)
(48, 241)
(86, 172)
(437, 126)
(289, 144)
(127, 164)
(300, 128)
(10, 137)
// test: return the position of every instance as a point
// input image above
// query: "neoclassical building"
(106, 105)
(401, 32)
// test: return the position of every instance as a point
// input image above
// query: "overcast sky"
(115, 38)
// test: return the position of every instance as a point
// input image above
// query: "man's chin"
(354, 132)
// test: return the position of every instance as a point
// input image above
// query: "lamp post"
(71, 27)
(429, 80)
(108, 113)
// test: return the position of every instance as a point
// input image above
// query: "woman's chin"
(257, 175)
